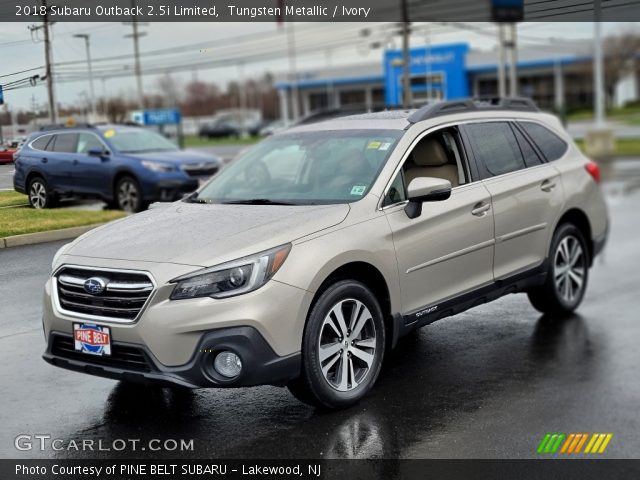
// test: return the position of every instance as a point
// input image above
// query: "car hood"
(204, 234)
(182, 157)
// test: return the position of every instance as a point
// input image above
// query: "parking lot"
(456, 389)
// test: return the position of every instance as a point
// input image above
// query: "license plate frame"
(92, 339)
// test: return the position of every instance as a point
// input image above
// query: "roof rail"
(60, 126)
(478, 104)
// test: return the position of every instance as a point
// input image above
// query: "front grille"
(201, 170)
(123, 298)
(122, 356)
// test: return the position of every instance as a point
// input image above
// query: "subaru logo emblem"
(94, 285)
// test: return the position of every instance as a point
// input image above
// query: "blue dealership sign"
(163, 116)
(440, 69)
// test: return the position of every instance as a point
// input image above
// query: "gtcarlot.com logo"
(574, 443)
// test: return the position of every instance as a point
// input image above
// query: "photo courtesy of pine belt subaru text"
(305, 260)
(126, 166)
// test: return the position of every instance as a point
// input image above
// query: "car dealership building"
(556, 77)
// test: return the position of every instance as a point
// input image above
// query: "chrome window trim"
(84, 316)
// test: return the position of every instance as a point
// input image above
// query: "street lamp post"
(92, 97)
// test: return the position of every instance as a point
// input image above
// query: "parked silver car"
(308, 257)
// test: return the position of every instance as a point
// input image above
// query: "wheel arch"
(580, 220)
(123, 172)
(370, 276)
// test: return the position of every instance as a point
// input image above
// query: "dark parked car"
(220, 129)
(128, 167)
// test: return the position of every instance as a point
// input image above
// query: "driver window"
(88, 141)
(438, 155)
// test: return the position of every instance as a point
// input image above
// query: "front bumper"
(136, 363)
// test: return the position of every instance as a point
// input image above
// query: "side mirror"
(425, 189)
(97, 152)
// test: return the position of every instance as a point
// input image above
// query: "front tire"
(567, 274)
(128, 195)
(342, 348)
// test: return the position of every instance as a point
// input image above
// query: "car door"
(89, 170)
(447, 250)
(526, 194)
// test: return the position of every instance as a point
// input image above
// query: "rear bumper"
(135, 363)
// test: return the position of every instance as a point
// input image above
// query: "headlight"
(231, 278)
(157, 166)
(58, 253)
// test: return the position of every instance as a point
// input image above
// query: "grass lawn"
(10, 198)
(628, 147)
(195, 141)
(19, 220)
(629, 115)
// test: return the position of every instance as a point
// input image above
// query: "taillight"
(593, 169)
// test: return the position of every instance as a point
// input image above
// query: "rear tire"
(128, 195)
(342, 348)
(567, 274)
(40, 196)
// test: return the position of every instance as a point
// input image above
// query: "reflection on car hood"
(205, 234)
(182, 157)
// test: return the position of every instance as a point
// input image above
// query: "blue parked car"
(126, 166)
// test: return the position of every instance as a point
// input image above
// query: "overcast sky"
(18, 51)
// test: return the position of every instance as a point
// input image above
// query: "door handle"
(547, 185)
(75, 161)
(44, 159)
(481, 209)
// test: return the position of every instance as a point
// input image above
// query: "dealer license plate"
(92, 339)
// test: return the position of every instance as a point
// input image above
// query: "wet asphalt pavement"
(488, 383)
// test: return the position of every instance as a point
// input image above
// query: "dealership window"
(352, 97)
(495, 145)
(552, 146)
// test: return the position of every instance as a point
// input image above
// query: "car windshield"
(304, 168)
(138, 140)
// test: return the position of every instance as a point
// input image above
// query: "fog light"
(228, 364)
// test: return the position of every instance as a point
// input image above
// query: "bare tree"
(621, 58)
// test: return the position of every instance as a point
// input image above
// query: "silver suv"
(306, 259)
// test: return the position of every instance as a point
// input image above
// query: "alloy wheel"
(569, 269)
(347, 344)
(38, 194)
(128, 196)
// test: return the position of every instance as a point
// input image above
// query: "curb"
(44, 237)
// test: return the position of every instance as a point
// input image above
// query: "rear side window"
(41, 143)
(65, 142)
(496, 147)
(531, 158)
(552, 146)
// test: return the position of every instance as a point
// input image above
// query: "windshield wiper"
(257, 201)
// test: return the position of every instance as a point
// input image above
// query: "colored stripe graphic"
(573, 443)
(551, 442)
(598, 443)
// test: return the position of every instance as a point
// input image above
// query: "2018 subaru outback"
(305, 260)
(126, 166)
